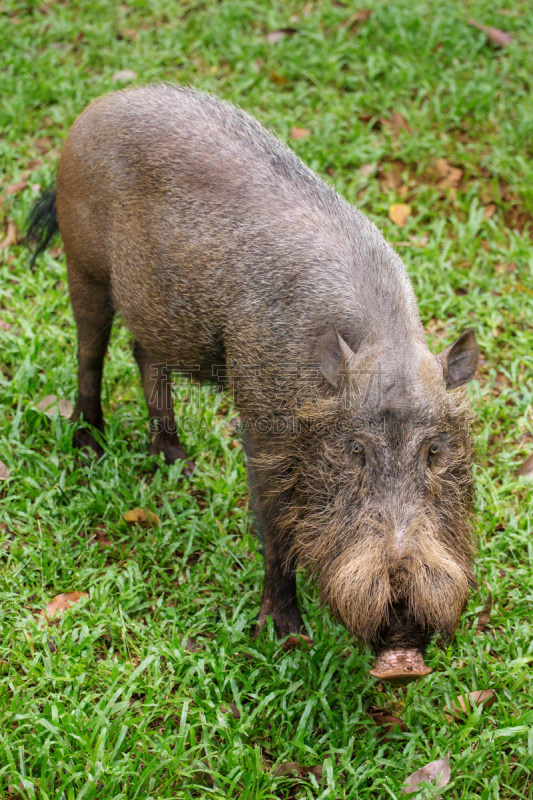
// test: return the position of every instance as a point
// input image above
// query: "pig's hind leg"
(93, 313)
(158, 392)
(279, 599)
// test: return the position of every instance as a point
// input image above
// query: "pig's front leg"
(279, 599)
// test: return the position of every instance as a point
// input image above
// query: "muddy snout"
(400, 666)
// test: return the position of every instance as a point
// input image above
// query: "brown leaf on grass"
(350, 23)
(366, 169)
(437, 772)
(295, 767)
(17, 187)
(51, 405)
(489, 211)
(298, 642)
(123, 76)
(28, 639)
(526, 469)
(300, 133)
(142, 516)
(11, 236)
(450, 176)
(358, 16)
(464, 705)
(500, 38)
(279, 80)
(193, 646)
(127, 33)
(505, 269)
(276, 36)
(55, 252)
(99, 536)
(231, 708)
(398, 123)
(43, 145)
(33, 164)
(387, 722)
(483, 619)
(59, 604)
(4, 471)
(398, 213)
(518, 287)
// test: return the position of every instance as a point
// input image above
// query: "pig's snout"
(400, 666)
(400, 648)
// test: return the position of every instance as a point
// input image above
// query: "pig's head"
(383, 492)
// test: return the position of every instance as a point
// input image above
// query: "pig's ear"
(335, 357)
(459, 361)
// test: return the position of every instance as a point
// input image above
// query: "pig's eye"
(433, 450)
(358, 450)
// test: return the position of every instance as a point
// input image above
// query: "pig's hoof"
(286, 623)
(173, 451)
(400, 667)
(84, 440)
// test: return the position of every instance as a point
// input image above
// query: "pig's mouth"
(400, 666)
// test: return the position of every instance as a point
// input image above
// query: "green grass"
(110, 703)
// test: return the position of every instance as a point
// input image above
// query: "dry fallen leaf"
(28, 639)
(11, 236)
(279, 80)
(33, 164)
(496, 36)
(350, 23)
(4, 471)
(451, 176)
(506, 269)
(141, 516)
(231, 708)
(124, 75)
(398, 213)
(43, 144)
(99, 536)
(128, 33)
(387, 722)
(484, 617)
(300, 133)
(366, 169)
(526, 469)
(193, 646)
(276, 36)
(17, 187)
(301, 772)
(398, 123)
(489, 211)
(518, 287)
(464, 705)
(59, 604)
(434, 771)
(297, 642)
(55, 251)
(51, 405)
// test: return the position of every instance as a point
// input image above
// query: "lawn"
(152, 687)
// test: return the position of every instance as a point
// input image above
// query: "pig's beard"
(363, 578)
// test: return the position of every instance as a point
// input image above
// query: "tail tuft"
(41, 225)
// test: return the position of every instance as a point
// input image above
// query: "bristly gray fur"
(223, 251)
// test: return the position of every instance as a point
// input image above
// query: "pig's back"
(218, 239)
